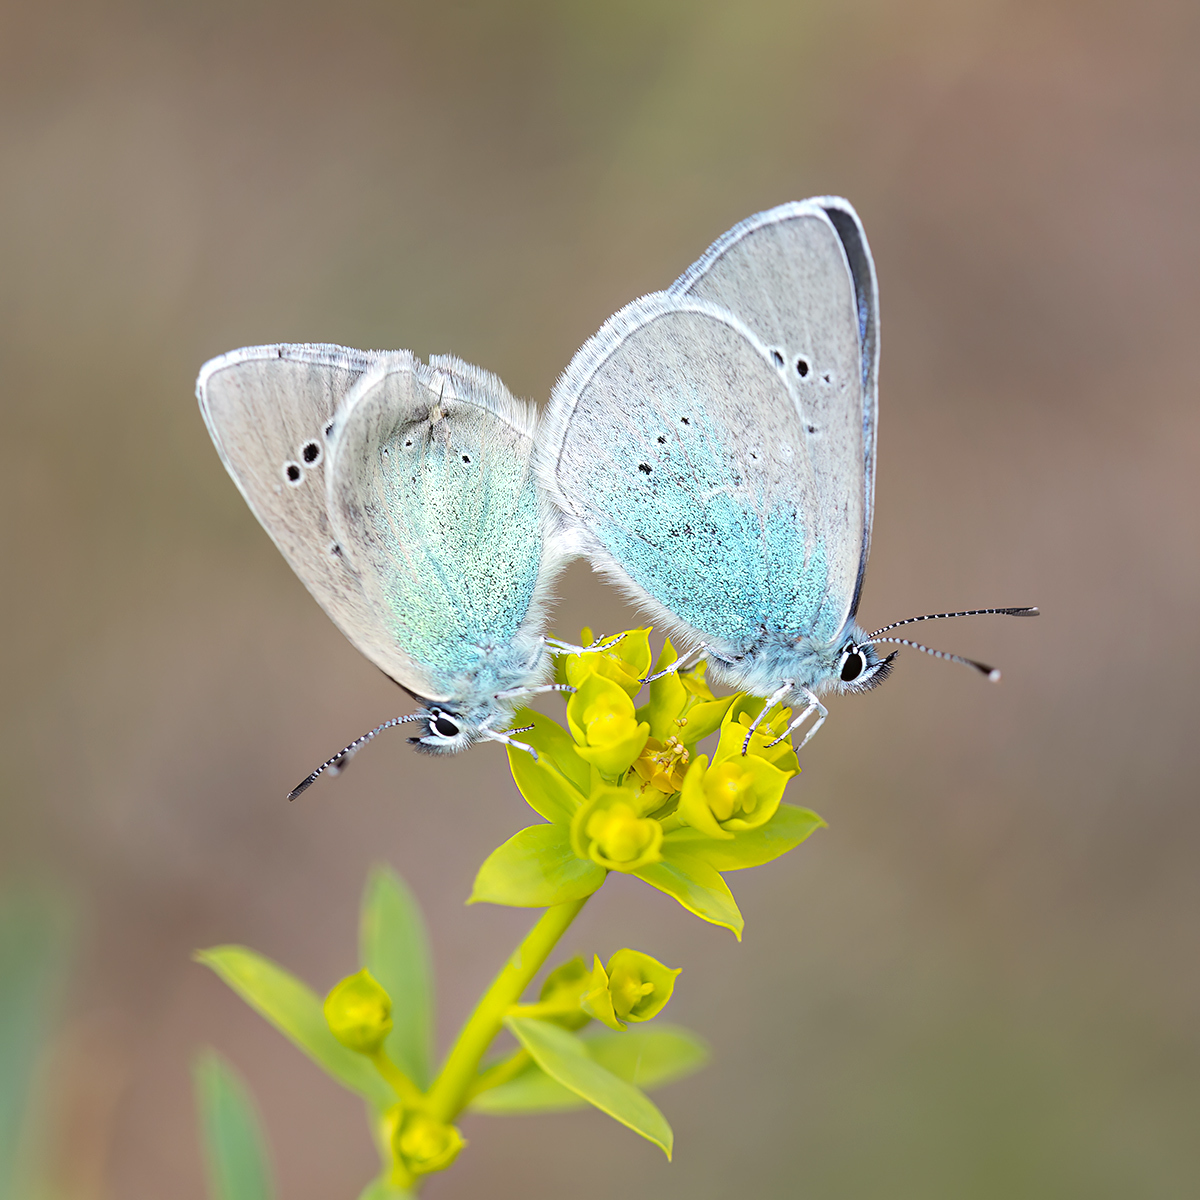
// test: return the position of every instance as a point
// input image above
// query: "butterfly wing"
(432, 495)
(270, 411)
(780, 273)
(730, 495)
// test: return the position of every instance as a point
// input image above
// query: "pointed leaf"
(555, 783)
(565, 1059)
(230, 1132)
(395, 949)
(535, 869)
(295, 1010)
(749, 847)
(647, 1058)
(35, 933)
(697, 886)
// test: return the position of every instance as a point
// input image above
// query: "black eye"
(293, 472)
(852, 667)
(444, 726)
(311, 453)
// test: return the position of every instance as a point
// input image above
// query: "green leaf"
(230, 1133)
(647, 1058)
(395, 949)
(535, 869)
(565, 1059)
(295, 1010)
(697, 886)
(555, 783)
(750, 847)
(35, 933)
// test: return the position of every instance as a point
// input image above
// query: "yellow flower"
(736, 793)
(359, 1012)
(662, 767)
(605, 728)
(611, 831)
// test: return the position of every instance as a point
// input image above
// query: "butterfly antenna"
(335, 763)
(991, 672)
(974, 612)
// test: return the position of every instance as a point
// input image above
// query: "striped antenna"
(991, 672)
(974, 612)
(335, 763)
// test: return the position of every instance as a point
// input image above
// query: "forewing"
(674, 442)
(270, 411)
(802, 279)
(432, 494)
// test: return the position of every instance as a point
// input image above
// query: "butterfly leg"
(692, 656)
(814, 705)
(492, 735)
(769, 704)
(601, 643)
(540, 690)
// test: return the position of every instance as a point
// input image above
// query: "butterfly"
(713, 449)
(402, 494)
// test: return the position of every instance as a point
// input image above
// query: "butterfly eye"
(852, 666)
(293, 472)
(444, 727)
(310, 453)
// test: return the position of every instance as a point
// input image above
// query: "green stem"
(453, 1085)
(410, 1095)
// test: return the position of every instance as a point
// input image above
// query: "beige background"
(981, 981)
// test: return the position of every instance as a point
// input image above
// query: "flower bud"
(634, 987)
(419, 1142)
(359, 1012)
(602, 722)
(611, 831)
(565, 987)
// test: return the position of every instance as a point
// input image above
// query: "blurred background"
(982, 980)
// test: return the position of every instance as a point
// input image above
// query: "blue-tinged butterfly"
(403, 496)
(714, 448)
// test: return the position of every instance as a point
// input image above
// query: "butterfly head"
(444, 731)
(858, 667)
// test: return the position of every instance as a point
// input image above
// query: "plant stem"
(453, 1085)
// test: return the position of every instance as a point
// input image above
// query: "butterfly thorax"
(775, 659)
(477, 704)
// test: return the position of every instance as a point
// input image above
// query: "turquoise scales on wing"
(771, 578)
(468, 504)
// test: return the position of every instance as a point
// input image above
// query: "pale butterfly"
(714, 448)
(402, 495)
